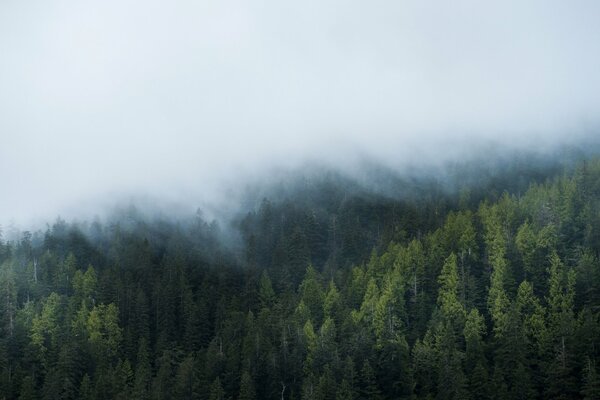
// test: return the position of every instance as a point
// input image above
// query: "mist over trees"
(340, 200)
(331, 291)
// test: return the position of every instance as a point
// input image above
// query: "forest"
(326, 292)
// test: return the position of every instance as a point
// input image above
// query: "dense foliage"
(346, 296)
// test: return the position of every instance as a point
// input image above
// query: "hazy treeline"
(491, 292)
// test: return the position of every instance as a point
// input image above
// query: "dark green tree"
(247, 391)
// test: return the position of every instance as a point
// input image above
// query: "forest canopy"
(488, 292)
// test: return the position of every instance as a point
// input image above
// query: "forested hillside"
(489, 292)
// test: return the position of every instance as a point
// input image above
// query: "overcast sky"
(169, 97)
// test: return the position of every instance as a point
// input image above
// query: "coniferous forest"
(327, 293)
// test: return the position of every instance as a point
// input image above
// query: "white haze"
(101, 100)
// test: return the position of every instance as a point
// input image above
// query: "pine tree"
(332, 307)
(86, 391)
(27, 391)
(591, 382)
(185, 379)
(475, 361)
(561, 382)
(451, 383)
(64, 274)
(326, 388)
(368, 384)
(312, 294)
(123, 379)
(345, 391)
(266, 293)
(68, 371)
(495, 237)
(143, 372)
(479, 383)
(424, 357)
(451, 308)
(163, 382)
(191, 321)
(393, 362)
(104, 332)
(311, 342)
(216, 390)
(247, 391)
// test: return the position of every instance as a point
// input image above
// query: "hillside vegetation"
(325, 294)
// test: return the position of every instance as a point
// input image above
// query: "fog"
(179, 102)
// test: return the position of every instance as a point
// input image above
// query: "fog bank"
(181, 102)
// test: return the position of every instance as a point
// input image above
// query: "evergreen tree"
(348, 386)
(86, 392)
(368, 384)
(451, 381)
(345, 391)
(247, 391)
(143, 372)
(28, 391)
(450, 306)
(312, 294)
(266, 293)
(591, 382)
(216, 390)
(186, 379)
(475, 360)
(561, 382)
(326, 388)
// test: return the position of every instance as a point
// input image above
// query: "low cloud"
(101, 101)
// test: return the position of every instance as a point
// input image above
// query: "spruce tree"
(368, 383)
(247, 391)
(590, 389)
(216, 390)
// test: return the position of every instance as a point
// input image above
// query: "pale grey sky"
(168, 98)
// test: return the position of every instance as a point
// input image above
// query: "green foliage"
(591, 382)
(216, 390)
(368, 384)
(266, 293)
(475, 364)
(332, 307)
(104, 333)
(142, 372)
(495, 236)
(448, 302)
(247, 391)
(86, 392)
(27, 391)
(45, 329)
(186, 380)
(311, 293)
(445, 296)
(562, 327)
